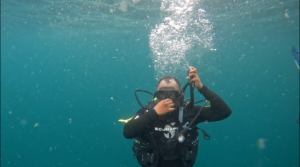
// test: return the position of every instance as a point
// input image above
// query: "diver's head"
(168, 88)
(168, 81)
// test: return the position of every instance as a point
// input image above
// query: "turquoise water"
(69, 70)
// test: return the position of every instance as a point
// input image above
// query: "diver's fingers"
(193, 76)
(171, 104)
(193, 70)
(168, 101)
(164, 106)
(192, 73)
(194, 79)
(171, 109)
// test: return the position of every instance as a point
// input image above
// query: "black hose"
(191, 124)
(191, 105)
(199, 101)
(138, 98)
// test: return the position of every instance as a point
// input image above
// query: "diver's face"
(167, 91)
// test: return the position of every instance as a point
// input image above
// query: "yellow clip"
(297, 65)
(208, 103)
(125, 120)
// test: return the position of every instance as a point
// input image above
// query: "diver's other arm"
(139, 123)
(143, 119)
(219, 109)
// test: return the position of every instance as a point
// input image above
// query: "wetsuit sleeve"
(218, 109)
(139, 123)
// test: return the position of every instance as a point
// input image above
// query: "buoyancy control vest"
(147, 152)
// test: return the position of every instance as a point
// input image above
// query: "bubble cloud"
(136, 1)
(123, 6)
(171, 40)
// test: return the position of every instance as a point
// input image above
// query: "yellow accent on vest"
(208, 104)
(297, 65)
(125, 120)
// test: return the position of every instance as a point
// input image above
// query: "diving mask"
(167, 93)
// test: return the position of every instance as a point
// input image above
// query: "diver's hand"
(164, 106)
(195, 78)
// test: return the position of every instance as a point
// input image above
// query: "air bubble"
(171, 40)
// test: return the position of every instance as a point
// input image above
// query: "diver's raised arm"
(218, 110)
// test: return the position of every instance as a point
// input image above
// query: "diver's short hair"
(168, 80)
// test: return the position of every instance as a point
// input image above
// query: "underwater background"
(69, 70)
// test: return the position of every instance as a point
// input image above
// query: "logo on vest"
(168, 128)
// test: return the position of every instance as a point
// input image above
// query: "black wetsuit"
(166, 126)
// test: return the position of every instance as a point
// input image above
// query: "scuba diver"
(164, 131)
